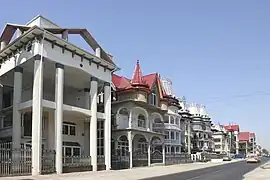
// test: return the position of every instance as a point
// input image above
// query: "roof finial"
(138, 61)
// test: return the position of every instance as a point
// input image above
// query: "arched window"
(124, 112)
(157, 120)
(141, 121)
(123, 145)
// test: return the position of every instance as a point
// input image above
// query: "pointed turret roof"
(137, 78)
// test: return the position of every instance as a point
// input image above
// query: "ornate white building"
(201, 128)
(49, 91)
(221, 139)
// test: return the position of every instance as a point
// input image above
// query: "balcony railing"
(172, 141)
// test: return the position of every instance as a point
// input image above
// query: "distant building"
(247, 143)
(233, 131)
(221, 139)
(201, 129)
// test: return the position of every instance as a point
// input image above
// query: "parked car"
(227, 158)
(253, 159)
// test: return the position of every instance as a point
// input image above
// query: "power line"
(238, 96)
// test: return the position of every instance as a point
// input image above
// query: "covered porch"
(137, 148)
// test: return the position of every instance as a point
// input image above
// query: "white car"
(253, 159)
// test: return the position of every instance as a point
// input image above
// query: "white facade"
(174, 128)
(51, 86)
(201, 128)
(221, 139)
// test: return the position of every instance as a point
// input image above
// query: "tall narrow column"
(107, 108)
(59, 90)
(98, 52)
(37, 116)
(130, 149)
(93, 123)
(149, 153)
(87, 124)
(189, 138)
(16, 121)
(163, 153)
(65, 35)
(2, 45)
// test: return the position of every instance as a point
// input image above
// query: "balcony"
(6, 132)
(172, 141)
(167, 126)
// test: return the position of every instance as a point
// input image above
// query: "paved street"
(233, 171)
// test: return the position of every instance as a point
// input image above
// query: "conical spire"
(137, 78)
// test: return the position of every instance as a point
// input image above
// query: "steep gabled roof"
(139, 80)
(232, 127)
(243, 136)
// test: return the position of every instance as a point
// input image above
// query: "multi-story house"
(139, 109)
(220, 139)
(247, 143)
(174, 124)
(233, 131)
(48, 94)
(201, 129)
(186, 116)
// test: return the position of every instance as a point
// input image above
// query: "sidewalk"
(131, 174)
(258, 174)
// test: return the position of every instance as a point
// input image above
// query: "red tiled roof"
(243, 136)
(232, 127)
(138, 80)
(252, 135)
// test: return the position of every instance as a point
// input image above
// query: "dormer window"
(141, 121)
(153, 97)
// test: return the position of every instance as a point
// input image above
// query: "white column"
(130, 149)
(163, 154)
(16, 121)
(130, 120)
(59, 90)
(93, 123)
(2, 45)
(189, 138)
(65, 35)
(107, 108)
(149, 153)
(37, 116)
(98, 52)
(87, 124)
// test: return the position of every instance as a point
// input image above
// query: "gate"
(120, 159)
(15, 162)
(156, 157)
(139, 158)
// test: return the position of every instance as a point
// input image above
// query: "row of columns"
(37, 111)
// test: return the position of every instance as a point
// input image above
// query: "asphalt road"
(231, 171)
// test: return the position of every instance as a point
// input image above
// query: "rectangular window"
(8, 120)
(166, 134)
(153, 99)
(172, 135)
(100, 138)
(69, 129)
(177, 136)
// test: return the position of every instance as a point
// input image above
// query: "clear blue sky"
(208, 48)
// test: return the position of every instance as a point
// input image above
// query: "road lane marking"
(196, 177)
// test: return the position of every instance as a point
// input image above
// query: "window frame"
(68, 125)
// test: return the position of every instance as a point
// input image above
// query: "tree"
(265, 151)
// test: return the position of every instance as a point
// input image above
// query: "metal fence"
(177, 159)
(14, 162)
